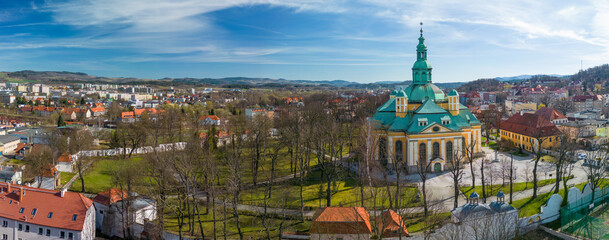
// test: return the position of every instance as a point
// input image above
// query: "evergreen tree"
(60, 121)
(114, 140)
(82, 101)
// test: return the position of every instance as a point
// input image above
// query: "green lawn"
(418, 224)
(345, 192)
(548, 158)
(494, 189)
(98, 177)
(65, 177)
(251, 225)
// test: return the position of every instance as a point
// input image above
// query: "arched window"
(383, 150)
(449, 152)
(435, 150)
(422, 154)
(398, 151)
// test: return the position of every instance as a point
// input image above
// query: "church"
(421, 123)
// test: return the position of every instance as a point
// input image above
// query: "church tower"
(401, 104)
(421, 71)
(453, 102)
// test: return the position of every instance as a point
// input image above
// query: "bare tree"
(456, 172)
(538, 149)
(38, 161)
(423, 168)
(80, 140)
(469, 148)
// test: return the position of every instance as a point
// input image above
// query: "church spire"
(421, 71)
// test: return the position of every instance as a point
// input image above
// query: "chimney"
(21, 194)
(63, 191)
(8, 188)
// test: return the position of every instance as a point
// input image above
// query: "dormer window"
(422, 122)
(445, 120)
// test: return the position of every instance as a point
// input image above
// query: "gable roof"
(98, 109)
(530, 124)
(212, 117)
(430, 107)
(44, 201)
(66, 157)
(110, 196)
(341, 220)
(127, 115)
(550, 113)
(390, 224)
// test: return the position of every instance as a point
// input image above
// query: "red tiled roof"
(44, 201)
(530, 124)
(140, 111)
(341, 220)
(391, 224)
(550, 113)
(65, 158)
(50, 171)
(110, 196)
(98, 109)
(583, 98)
(127, 115)
(212, 117)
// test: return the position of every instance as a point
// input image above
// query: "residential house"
(126, 117)
(341, 223)
(95, 112)
(552, 115)
(209, 120)
(34, 213)
(527, 130)
(43, 111)
(65, 163)
(110, 209)
(8, 144)
(391, 226)
(588, 102)
(10, 174)
(50, 179)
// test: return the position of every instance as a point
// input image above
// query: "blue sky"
(357, 40)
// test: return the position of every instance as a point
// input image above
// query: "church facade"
(422, 124)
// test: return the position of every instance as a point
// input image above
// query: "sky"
(353, 40)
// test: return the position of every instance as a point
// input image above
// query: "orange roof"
(110, 196)
(391, 224)
(45, 202)
(127, 115)
(550, 113)
(50, 171)
(65, 158)
(140, 111)
(212, 117)
(98, 109)
(43, 109)
(529, 124)
(341, 220)
(20, 146)
(202, 135)
(99, 104)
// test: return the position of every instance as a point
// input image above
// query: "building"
(526, 130)
(96, 112)
(109, 217)
(552, 115)
(209, 120)
(8, 144)
(391, 226)
(65, 163)
(34, 213)
(423, 125)
(10, 174)
(341, 223)
(586, 102)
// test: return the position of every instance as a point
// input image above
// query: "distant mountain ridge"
(525, 77)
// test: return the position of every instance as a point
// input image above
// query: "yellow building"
(525, 130)
(422, 124)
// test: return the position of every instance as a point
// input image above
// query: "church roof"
(453, 93)
(430, 107)
(422, 92)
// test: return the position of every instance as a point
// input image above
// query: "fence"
(585, 217)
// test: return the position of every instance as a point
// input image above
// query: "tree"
(456, 172)
(564, 155)
(258, 137)
(564, 105)
(538, 150)
(60, 121)
(469, 151)
(38, 161)
(80, 140)
(423, 168)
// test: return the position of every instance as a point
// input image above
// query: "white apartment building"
(28, 213)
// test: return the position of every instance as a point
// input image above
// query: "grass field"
(345, 192)
(98, 177)
(494, 189)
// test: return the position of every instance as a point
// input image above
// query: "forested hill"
(593, 75)
(487, 84)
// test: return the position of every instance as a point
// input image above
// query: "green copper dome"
(393, 93)
(421, 64)
(401, 93)
(422, 92)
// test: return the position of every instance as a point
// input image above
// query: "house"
(588, 102)
(109, 205)
(552, 115)
(391, 226)
(10, 174)
(341, 223)
(209, 120)
(43, 111)
(50, 179)
(127, 117)
(526, 131)
(95, 112)
(8, 144)
(34, 213)
(65, 163)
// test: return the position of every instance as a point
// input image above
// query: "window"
(435, 150)
(21, 210)
(74, 217)
(20, 227)
(50, 215)
(40, 231)
(101, 212)
(449, 152)
(48, 232)
(34, 211)
(422, 154)
(70, 235)
(27, 228)
(62, 234)
(5, 223)
(4, 237)
(398, 151)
